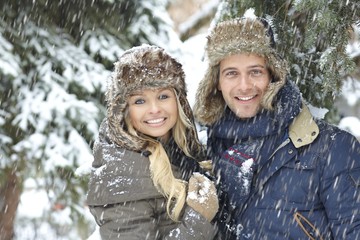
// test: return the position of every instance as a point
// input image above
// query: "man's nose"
(244, 83)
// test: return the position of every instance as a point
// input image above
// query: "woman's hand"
(202, 196)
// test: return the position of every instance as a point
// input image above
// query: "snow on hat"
(139, 68)
(249, 34)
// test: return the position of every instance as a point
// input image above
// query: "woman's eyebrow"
(136, 94)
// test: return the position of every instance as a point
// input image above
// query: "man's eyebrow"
(229, 68)
(256, 65)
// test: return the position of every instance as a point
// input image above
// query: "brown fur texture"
(245, 35)
(143, 67)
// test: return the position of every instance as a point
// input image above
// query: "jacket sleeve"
(193, 226)
(129, 220)
(136, 221)
(340, 191)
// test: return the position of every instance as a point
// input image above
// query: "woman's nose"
(154, 107)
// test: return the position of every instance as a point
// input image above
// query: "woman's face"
(154, 112)
(243, 80)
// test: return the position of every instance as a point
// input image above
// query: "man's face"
(243, 81)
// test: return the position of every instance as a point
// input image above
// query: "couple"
(280, 173)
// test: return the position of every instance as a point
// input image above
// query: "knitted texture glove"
(202, 196)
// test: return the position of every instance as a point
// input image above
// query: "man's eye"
(139, 101)
(256, 72)
(231, 73)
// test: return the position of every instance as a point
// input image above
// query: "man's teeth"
(155, 120)
(245, 98)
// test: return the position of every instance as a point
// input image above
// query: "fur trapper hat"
(139, 68)
(244, 35)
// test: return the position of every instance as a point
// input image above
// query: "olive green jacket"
(125, 202)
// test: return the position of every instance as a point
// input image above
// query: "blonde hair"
(173, 189)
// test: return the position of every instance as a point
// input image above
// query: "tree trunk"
(9, 200)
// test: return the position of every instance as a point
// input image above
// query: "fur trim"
(143, 67)
(245, 35)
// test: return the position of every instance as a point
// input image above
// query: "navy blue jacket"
(302, 183)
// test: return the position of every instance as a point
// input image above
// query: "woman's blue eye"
(163, 96)
(139, 101)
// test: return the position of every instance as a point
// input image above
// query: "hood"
(142, 67)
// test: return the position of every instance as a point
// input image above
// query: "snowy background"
(35, 200)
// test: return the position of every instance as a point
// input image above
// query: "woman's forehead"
(145, 90)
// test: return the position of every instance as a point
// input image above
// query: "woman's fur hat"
(244, 35)
(142, 67)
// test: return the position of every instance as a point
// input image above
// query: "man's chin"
(245, 113)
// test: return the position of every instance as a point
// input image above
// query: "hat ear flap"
(209, 104)
(277, 82)
(268, 97)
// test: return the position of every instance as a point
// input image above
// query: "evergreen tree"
(312, 35)
(55, 58)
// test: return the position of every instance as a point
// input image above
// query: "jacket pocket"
(307, 227)
(297, 181)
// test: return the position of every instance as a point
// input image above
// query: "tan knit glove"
(202, 196)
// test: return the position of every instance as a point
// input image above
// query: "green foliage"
(312, 35)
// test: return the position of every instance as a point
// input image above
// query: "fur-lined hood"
(245, 35)
(143, 67)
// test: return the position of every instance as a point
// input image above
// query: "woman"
(146, 152)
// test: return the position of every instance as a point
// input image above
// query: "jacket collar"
(303, 130)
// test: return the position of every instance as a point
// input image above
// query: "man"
(282, 173)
